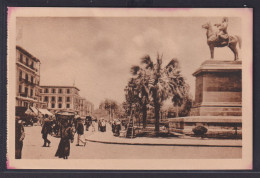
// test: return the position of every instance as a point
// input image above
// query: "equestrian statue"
(221, 38)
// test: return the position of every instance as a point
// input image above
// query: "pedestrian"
(117, 127)
(46, 129)
(19, 137)
(80, 132)
(93, 126)
(103, 126)
(99, 125)
(67, 137)
(113, 126)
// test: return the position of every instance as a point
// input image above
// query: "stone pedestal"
(218, 100)
(218, 89)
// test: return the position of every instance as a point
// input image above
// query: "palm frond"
(174, 63)
(147, 61)
(134, 70)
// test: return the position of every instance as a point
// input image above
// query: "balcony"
(27, 82)
(28, 66)
(24, 94)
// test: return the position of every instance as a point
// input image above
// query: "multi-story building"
(89, 108)
(27, 79)
(82, 104)
(61, 98)
(86, 107)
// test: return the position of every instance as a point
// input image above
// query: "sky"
(97, 52)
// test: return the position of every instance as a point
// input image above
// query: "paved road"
(33, 150)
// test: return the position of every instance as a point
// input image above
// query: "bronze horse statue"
(214, 41)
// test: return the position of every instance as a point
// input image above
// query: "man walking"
(80, 131)
(46, 129)
(19, 137)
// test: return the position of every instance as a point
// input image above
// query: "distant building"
(86, 107)
(89, 107)
(61, 98)
(27, 79)
(82, 103)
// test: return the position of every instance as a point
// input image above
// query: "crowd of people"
(65, 129)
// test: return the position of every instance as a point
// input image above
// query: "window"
(60, 105)
(32, 79)
(60, 90)
(53, 98)
(68, 99)
(32, 65)
(26, 77)
(46, 90)
(53, 105)
(40, 90)
(20, 76)
(60, 99)
(27, 61)
(68, 90)
(26, 91)
(53, 90)
(46, 98)
(20, 88)
(21, 57)
(68, 106)
(31, 92)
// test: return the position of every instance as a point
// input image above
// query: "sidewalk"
(108, 138)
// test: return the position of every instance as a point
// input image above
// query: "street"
(33, 149)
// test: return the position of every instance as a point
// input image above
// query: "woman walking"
(67, 136)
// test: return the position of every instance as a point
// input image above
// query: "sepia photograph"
(162, 89)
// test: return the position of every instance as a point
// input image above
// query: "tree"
(109, 105)
(162, 83)
(142, 91)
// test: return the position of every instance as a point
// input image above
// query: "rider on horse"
(223, 34)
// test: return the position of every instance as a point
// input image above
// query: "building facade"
(89, 108)
(86, 107)
(61, 98)
(27, 79)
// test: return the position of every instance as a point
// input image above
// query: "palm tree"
(141, 83)
(162, 83)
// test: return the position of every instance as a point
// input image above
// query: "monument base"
(218, 89)
(216, 125)
(218, 100)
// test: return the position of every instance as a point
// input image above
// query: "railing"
(27, 81)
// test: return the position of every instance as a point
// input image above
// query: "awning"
(34, 110)
(45, 111)
(30, 112)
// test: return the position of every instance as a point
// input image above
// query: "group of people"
(116, 127)
(102, 125)
(64, 128)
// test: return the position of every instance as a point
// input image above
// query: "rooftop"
(27, 53)
(55, 86)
